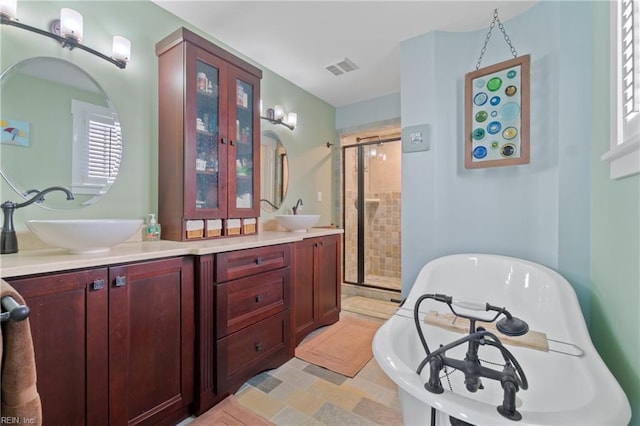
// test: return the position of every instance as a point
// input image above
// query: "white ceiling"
(298, 39)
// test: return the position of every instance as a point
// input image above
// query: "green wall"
(134, 92)
(615, 240)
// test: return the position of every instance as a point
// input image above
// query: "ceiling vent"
(334, 70)
(341, 67)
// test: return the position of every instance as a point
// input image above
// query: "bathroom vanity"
(93, 332)
(243, 318)
(158, 330)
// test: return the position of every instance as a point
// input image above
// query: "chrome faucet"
(8, 239)
(297, 206)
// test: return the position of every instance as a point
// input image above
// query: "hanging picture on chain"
(497, 115)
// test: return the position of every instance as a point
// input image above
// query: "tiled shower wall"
(382, 241)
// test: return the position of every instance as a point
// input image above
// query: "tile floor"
(300, 394)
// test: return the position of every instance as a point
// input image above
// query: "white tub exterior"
(563, 389)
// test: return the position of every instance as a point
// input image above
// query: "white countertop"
(27, 262)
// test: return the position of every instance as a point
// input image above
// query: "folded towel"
(20, 401)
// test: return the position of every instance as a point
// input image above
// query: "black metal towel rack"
(12, 310)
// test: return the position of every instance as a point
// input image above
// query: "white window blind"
(97, 151)
(624, 153)
(629, 59)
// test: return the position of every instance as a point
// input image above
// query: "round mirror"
(274, 168)
(59, 128)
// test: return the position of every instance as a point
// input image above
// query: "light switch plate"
(415, 138)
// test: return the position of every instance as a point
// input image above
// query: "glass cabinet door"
(207, 155)
(243, 154)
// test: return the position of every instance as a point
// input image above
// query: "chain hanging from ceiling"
(496, 18)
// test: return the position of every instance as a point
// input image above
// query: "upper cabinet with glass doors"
(208, 177)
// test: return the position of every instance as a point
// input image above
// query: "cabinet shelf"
(206, 133)
(207, 172)
(212, 95)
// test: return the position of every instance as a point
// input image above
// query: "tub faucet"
(512, 377)
(8, 239)
(297, 206)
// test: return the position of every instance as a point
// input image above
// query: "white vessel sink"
(85, 236)
(298, 222)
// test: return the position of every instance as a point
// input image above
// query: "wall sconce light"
(277, 115)
(68, 32)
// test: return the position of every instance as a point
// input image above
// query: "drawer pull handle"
(259, 261)
(258, 347)
(120, 281)
(97, 285)
(259, 298)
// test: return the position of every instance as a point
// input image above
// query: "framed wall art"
(14, 132)
(497, 114)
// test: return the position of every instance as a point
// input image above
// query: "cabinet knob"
(258, 347)
(231, 142)
(222, 141)
(97, 285)
(259, 261)
(120, 281)
(259, 298)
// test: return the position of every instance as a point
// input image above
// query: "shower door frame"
(359, 147)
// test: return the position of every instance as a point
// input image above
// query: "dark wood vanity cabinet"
(113, 345)
(316, 284)
(151, 341)
(242, 317)
(69, 326)
(209, 139)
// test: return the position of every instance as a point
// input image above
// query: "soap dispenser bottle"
(152, 230)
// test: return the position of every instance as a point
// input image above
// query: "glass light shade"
(292, 119)
(71, 24)
(9, 8)
(121, 49)
(278, 112)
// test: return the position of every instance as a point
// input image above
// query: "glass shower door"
(372, 214)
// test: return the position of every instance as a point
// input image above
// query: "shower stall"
(371, 211)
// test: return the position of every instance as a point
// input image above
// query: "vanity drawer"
(246, 301)
(251, 350)
(242, 263)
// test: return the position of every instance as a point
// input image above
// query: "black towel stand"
(12, 310)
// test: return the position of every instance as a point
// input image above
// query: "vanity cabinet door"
(205, 136)
(328, 268)
(243, 174)
(304, 290)
(316, 284)
(151, 341)
(68, 319)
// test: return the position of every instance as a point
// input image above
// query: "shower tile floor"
(392, 283)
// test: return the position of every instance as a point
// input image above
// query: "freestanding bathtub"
(567, 385)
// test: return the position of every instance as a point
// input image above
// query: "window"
(97, 148)
(624, 153)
